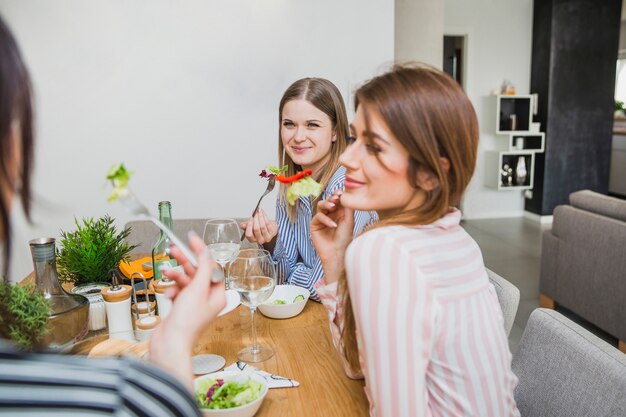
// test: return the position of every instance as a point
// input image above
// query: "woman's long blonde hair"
(432, 117)
(325, 96)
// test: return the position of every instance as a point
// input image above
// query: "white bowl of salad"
(286, 301)
(230, 394)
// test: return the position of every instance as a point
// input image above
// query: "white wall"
(419, 31)
(184, 92)
(499, 47)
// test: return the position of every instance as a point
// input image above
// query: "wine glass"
(222, 238)
(253, 276)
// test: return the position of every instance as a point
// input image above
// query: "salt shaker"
(143, 309)
(144, 327)
(117, 305)
(164, 304)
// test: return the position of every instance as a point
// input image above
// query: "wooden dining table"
(303, 351)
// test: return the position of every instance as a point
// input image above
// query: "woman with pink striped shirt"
(410, 304)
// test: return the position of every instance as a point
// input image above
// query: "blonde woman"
(313, 133)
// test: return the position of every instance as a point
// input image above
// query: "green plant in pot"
(89, 253)
(24, 314)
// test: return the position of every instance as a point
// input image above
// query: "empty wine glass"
(253, 276)
(222, 238)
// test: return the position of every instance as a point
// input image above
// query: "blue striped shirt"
(33, 384)
(297, 262)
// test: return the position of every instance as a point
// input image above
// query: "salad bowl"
(285, 302)
(228, 389)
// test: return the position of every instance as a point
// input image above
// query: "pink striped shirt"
(429, 327)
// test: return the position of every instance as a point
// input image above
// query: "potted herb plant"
(89, 253)
(24, 314)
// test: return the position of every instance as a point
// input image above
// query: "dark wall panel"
(574, 76)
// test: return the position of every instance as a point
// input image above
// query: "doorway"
(454, 57)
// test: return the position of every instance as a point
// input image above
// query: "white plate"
(205, 364)
(232, 302)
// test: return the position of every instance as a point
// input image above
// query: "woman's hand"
(260, 229)
(331, 231)
(196, 302)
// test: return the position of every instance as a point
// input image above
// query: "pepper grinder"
(117, 305)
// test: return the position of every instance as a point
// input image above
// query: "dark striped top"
(59, 385)
(296, 260)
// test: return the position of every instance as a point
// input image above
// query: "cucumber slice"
(279, 302)
(298, 298)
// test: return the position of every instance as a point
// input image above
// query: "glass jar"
(69, 319)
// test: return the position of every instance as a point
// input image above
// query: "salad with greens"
(281, 302)
(119, 177)
(298, 185)
(220, 394)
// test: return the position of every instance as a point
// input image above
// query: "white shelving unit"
(523, 141)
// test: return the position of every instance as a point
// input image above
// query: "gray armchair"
(583, 261)
(565, 371)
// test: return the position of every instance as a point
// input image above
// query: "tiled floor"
(511, 248)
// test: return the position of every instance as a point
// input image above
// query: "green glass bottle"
(161, 249)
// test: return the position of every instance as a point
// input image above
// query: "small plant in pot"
(89, 253)
(86, 258)
(24, 314)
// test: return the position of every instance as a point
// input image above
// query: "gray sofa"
(583, 261)
(565, 371)
(144, 233)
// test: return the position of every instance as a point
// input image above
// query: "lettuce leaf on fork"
(119, 177)
(307, 186)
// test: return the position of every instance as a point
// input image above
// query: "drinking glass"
(253, 276)
(222, 238)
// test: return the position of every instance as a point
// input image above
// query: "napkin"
(273, 381)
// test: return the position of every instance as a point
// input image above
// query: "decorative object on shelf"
(519, 143)
(24, 314)
(507, 88)
(69, 318)
(513, 122)
(89, 253)
(520, 171)
(507, 175)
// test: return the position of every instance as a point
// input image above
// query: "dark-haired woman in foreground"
(48, 384)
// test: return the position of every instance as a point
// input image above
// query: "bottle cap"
(112, 294)
(147, 323)
(161, 285)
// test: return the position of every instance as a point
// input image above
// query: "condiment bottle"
(117, 304)
(144, 327)
(164, 304)
(143, 309)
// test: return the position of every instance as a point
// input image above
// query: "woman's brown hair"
(15, 109)
(434, 120)
(325, 96)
